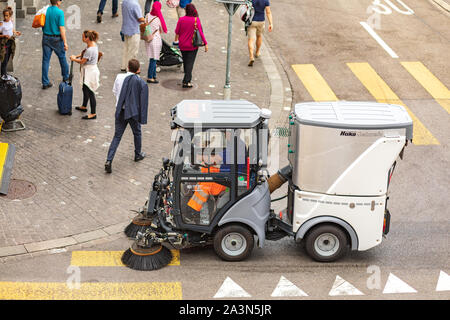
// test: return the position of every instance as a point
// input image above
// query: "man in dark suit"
(132, 108)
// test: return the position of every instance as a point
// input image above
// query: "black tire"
(326, 243)
(233, 243)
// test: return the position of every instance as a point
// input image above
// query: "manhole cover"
(19, 190)
(176, 84)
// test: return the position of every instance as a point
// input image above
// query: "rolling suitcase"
(65, 95)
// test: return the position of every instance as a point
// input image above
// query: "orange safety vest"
(204, 189)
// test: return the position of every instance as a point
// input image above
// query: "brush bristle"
(132, 230)
(147, 263)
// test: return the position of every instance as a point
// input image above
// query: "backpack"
(39, 18)
(146, 31)
(247, 12)
(172, 3)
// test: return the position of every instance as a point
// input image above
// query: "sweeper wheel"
(142, 258)
(138, 224)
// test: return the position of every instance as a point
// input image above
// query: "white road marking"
(396, 285)
(343, 288)
(286, 288)
(443, 282)
(231, 289)
(379, 40)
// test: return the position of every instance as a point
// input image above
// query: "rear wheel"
(326, 243)
(233, 243)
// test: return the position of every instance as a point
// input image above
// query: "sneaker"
(99, 17)
(139, 157)
(46, 86)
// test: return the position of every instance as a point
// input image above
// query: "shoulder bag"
(197, 38)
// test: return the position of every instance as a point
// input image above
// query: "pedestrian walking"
(184, 33)
(181, 8)
(132, 107)
(54, 40)
(7, 39)
(157, 25)
(256, 29)
(148, 5)
(131, 19)
(101, 7)
(90, 74)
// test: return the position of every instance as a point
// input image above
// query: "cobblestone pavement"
(76, 203)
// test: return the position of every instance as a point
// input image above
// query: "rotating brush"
(146, 259)
(138, 224)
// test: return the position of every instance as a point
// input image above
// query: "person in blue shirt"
(256, 29)
(132, 17)
(54, 40)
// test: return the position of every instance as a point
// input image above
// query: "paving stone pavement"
(76, 203)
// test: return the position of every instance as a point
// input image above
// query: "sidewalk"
(76, 204)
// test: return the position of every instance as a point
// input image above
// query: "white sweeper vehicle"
(215, 188)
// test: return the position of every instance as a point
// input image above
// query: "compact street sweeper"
(215, 188)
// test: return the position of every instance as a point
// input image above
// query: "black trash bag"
(10, 98)
(13, 114)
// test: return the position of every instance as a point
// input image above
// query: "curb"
(59, 245)
(443, 4)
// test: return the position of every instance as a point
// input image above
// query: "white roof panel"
(354, 115)
(217, 114)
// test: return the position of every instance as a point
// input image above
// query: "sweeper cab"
(215, 188)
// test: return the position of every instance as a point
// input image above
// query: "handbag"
(146, 31)
(197, 38)
(39, 18)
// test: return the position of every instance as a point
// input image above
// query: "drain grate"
(19, 190)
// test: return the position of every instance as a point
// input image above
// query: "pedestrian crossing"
(318, 88)
(75, 289)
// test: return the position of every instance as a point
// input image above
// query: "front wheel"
(326, 243)
(233, 243)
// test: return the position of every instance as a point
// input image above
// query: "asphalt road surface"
(400, 55)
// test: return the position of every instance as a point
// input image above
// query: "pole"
(227, 87)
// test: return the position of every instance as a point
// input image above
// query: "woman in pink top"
(153, 48)
(184, 32)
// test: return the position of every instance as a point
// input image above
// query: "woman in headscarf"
(157, 25)
(184, 33)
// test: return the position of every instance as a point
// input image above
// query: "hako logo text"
(348, 133)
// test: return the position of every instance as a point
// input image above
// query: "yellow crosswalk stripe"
(3, 154)
(108, 258)
(432, 84)
(91, 291)
(314, 82)
(383, 94)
